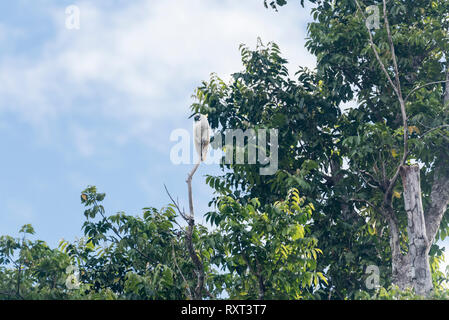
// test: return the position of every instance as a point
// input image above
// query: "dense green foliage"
(345, 162)
(144, 257)
(310, 230)
(309, 143)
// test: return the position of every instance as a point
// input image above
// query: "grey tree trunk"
(413, 269)
(400, 265)
(416, 262)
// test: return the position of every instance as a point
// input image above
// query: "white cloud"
(140, 63)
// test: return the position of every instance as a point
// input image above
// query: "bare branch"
(176, 204)
(199, 267)
(393, 54)
(190, 219)
(189, 185)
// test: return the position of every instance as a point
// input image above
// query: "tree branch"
(190, 219)
(426, 85)
(373, 46)
(436, 128)
(393, 54)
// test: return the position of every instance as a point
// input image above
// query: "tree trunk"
(401, 274)
(415, 264)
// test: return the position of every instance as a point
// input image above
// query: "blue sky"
(96, 106)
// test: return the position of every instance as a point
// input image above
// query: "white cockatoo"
(201, 135)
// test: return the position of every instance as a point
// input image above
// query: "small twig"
(377, 183)
(369, 184)
(423, 86)
(176, 204)
(436, 128)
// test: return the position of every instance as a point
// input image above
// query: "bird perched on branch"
(201, 133)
